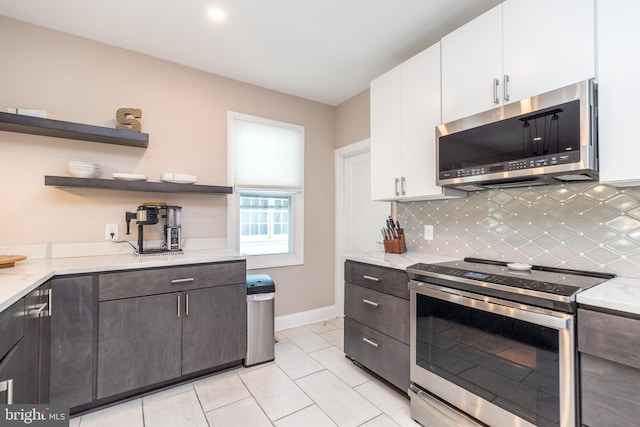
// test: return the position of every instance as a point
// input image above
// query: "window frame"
(296, 220)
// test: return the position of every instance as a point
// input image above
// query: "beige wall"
(353, 120)
(185, 114)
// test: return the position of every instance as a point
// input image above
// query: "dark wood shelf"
(68, 130)
(113, 184)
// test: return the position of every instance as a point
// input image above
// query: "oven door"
(503, 363)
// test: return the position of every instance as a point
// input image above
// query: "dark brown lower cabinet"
(148, 340)
(37, 343)
(609, 369)
(376, 324)
(138, 342)
(72, 340)
(12, 375)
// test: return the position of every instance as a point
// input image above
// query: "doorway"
(358, 218)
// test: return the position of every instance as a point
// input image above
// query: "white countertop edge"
(397, 261)
(619, 293)
(25, 276)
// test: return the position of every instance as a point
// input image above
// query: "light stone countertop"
(25, 276)
(619, 293)
(397, 261)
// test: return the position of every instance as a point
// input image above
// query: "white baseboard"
(305, 317)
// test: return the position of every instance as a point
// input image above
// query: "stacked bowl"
(83, 169)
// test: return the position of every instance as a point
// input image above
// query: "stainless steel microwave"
(546, 139)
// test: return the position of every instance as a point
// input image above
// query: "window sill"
(256, 262)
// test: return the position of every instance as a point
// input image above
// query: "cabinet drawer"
(610, 337)
(385, 313)
(128, 284)
(381, 354)
(12, 327)
(609, 393)
(387, 280)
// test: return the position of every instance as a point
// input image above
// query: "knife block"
(396, 246)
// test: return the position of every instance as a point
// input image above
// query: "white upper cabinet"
(471, 64)
(405, 110)
(516, 50)
(618, 94)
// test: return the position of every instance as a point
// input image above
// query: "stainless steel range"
(493, 343)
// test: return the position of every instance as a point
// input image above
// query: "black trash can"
(260, 319)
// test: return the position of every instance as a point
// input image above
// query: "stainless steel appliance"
(150, 214)
(494, 345)
(545, 139)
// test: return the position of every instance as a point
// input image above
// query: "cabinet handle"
(179, 306)
(38, 311)
(496, 83)
(8, 387)
(505, 88)
(176, 281)
(50, 294)
(375, 279)
(186, 305)
(402, 180)
(371, 343)
(396, 186)
(374, 304)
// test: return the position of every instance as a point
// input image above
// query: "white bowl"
(84, 170)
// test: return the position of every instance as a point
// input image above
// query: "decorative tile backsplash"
(580, 226)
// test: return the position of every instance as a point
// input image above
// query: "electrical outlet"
(428, 232)
(111, 229)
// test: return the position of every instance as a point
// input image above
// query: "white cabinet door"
(386, 134)
(471, 60)
(547, 44)
(420, 116)
(618, 92)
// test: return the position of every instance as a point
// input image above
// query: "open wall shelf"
(68, 130)
(112, 184)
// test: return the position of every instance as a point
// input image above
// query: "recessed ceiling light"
(216, 14)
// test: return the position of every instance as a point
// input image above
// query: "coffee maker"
(150, 214)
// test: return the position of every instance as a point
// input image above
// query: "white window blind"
(268, 156)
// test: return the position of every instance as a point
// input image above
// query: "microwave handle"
(496, 83)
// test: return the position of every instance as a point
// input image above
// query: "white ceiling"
(323, 50)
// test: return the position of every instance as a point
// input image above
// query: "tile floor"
(309, 384)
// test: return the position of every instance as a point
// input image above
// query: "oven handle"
(538, 316)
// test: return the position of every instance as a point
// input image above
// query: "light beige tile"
(280, 337)
(219, 390)
(308, 417)
(339, 401)
(275, 392)
(295, 362)
(333, 359)
(180, 410)
(306, 339)
(124, 414)
(335, 337)
(243, 413)
(161, 395)
(381, 421)
(321, 327)
(392, 403)
(74, 422)
(338, 321)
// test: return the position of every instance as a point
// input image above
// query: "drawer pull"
(37, 312)
(371, 303)
(8, 387)
(371, 343)
(176, 281)
(375, 279)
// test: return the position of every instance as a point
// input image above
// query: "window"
(266, 167)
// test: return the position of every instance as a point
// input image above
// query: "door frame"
(341, 155)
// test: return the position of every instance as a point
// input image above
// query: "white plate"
(178, 178)
(129, 176)
(519, 267)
